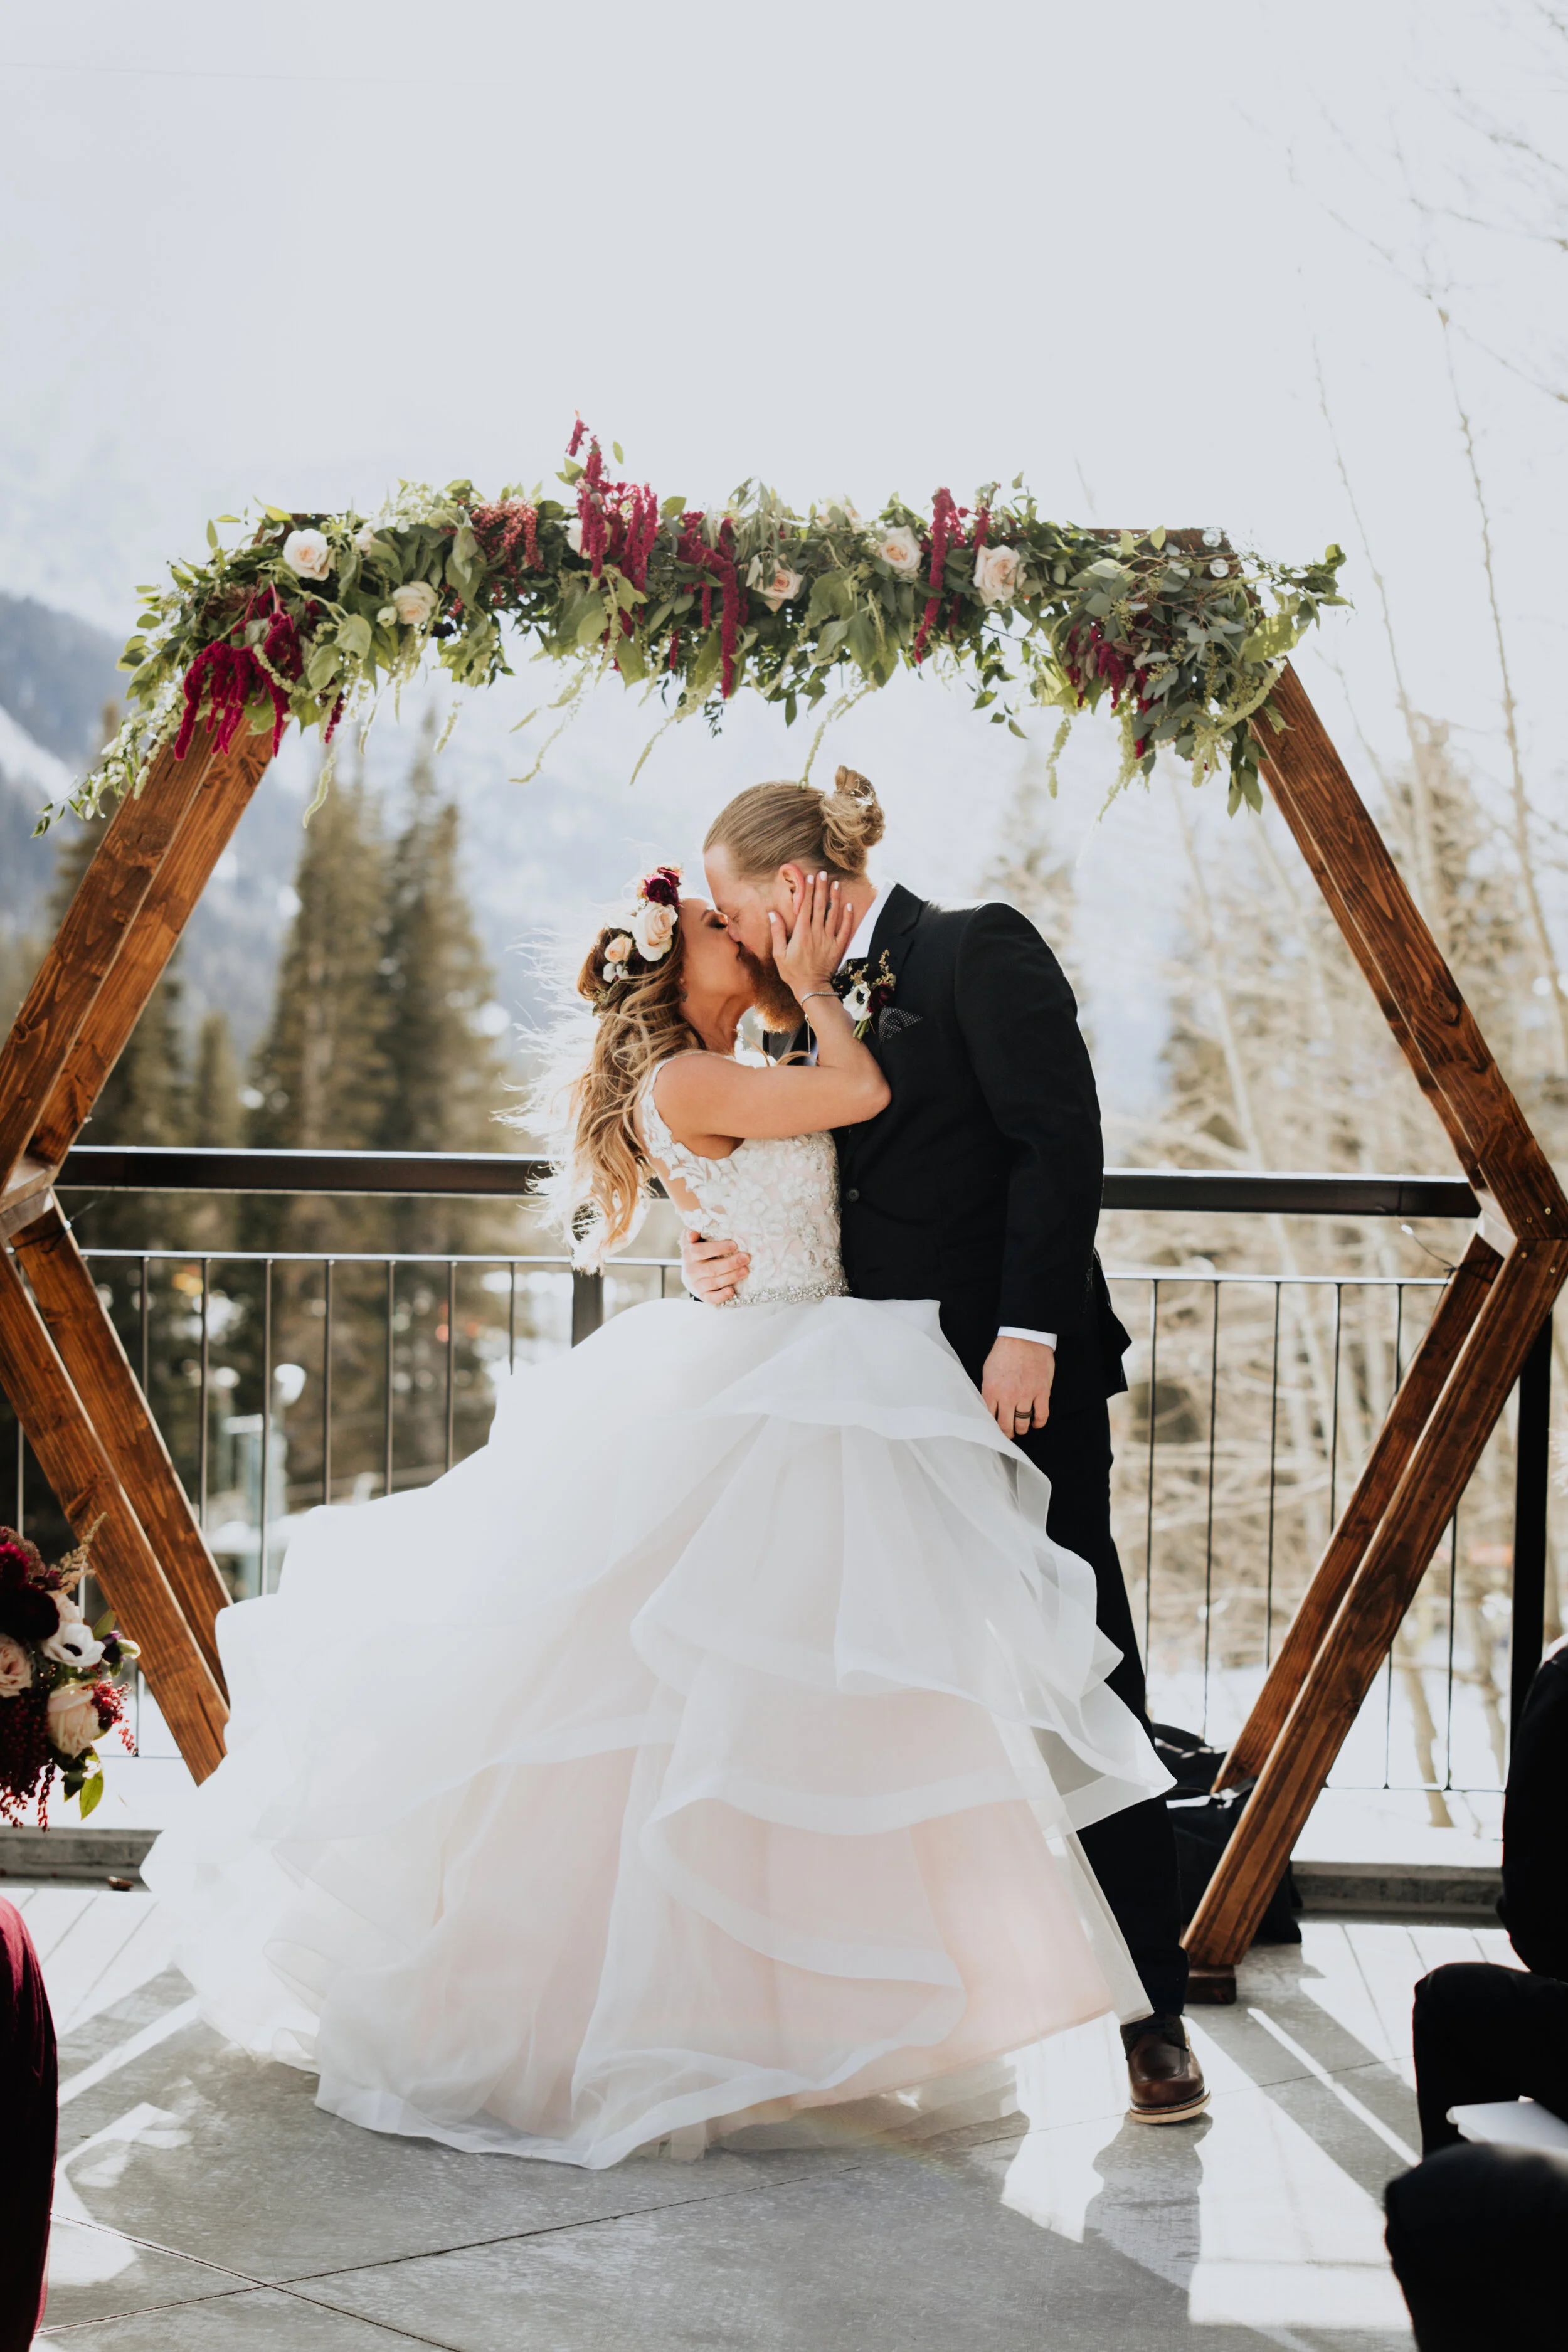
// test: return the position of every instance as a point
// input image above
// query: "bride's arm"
(704, 1098)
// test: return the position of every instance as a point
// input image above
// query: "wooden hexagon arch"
(72, 1389)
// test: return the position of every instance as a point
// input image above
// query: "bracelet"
(821, 992)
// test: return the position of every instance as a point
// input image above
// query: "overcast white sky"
(294, 252)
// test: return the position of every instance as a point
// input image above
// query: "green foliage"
(1181, 634)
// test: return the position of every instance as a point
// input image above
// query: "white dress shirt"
(859, 947)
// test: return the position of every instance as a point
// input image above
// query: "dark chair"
(27, 2125)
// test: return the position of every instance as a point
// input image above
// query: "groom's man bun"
(770, 825)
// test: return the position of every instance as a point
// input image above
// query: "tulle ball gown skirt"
(706, 1750)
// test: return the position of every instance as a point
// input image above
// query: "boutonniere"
(864, 993)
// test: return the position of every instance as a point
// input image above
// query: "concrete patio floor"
(204, 2201)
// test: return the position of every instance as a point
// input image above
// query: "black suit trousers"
(1132, 1855)
(1483, 2032)
(1475, 2233)
(1476, 2237)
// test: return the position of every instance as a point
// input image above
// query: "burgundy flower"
(110, 1700)
(718, 560)
(944, 515)
(20, 1561)
(27, 1612)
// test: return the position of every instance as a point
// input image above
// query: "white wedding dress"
(703, 1751)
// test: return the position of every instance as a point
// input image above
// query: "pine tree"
(445, 1063)
(446, 1078)
(321, 1070)
(216, 1113)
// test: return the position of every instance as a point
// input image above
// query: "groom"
(979, 1186)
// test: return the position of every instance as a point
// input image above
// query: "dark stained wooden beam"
(80, 960)
(1391, 941)
(89, 1349)
(1374, 1490)
(81, 1476)
(210, 817)
(1369, 1617)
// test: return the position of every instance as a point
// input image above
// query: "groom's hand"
(1016, 1385)
(712, 1271)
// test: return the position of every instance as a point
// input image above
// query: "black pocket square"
(893, 1018)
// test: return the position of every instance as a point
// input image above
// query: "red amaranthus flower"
(721, 563)
(508, 534)
(618, 521)
(230, 678)
(944, 520)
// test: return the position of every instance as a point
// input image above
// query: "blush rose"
(899, 551)
(413, 602)
(308, 554)
(653, 931)
(72, 1717)
(996, 571)
(783, 586)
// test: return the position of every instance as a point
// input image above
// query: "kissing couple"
(749, 1740)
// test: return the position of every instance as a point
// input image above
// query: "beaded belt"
(799, 1294)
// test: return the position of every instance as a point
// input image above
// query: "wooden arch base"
(73, 1392)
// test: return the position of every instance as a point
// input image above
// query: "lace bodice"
(777, 1196)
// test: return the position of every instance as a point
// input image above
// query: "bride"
(708, 1748)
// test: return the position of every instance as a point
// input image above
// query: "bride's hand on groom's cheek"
(712, 1271)
(1016, 1385)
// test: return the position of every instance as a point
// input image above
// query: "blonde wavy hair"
(598, 1190)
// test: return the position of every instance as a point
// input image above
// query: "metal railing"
(1252, 1401)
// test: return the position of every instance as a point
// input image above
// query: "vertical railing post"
(588, 1305)
(1531, 1472)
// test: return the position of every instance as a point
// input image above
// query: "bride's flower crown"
(632, 947)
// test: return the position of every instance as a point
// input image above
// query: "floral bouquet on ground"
(57, 1697)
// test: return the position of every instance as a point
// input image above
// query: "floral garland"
(55, 1696)
(310, 615)
(638, 943)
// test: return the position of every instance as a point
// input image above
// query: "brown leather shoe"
(1167, 2081)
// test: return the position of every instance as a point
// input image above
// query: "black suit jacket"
(1534, 1906)
(979, 1185)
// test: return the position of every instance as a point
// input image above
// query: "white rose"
(367, 539)
(308, 554)
(16, 1667)
(72, 1645)
(783, 586)
(996, 573)
(653, 931)
(899, 551)
(72, 1717)
(574, 534)
(415, 603)
(617, 949)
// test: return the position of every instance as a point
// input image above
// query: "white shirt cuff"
(1017, 1331)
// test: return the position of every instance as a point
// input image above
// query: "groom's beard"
(781, 1015)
